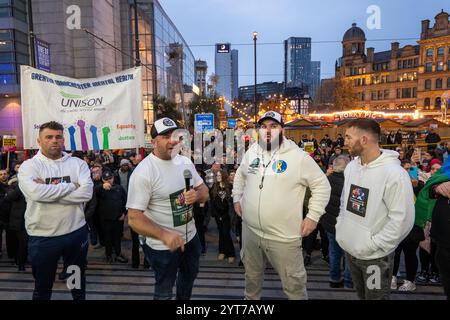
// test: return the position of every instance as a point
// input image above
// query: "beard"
(356, 150)
(274, 143)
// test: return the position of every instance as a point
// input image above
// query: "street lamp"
(255, 35)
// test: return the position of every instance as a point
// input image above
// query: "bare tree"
(345, 95)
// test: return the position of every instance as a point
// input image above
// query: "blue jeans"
(178, 266)
(336, 254)
(44, 255)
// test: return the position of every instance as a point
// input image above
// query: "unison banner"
(97, 114)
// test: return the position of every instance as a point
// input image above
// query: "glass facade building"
(168, 63)
(263, 90)
(14, 48)
(226, 69)
(315, 78)
(297, 61)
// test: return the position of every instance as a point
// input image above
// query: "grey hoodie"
(377, 207)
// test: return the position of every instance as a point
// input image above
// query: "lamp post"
(255, 35)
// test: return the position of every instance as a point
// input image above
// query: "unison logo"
(76, 101)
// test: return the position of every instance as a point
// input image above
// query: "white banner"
(97, 114)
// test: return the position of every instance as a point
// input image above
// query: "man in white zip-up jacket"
(56, 186)
(377, 210)
(268, 193)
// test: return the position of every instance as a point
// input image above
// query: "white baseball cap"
(162, 126)
(271, 115)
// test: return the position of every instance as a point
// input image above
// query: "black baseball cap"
(107, 174)
(162, 126)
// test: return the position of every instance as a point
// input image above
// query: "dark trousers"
(11, 244)
(97, 227)
(179, 266)
(112, 233)
(44, 254)
(225, 242)
(309, 241)
(409, 249)
(135, 257)
(427, 263)
(443, 263)
(22, 247)
(239, 230)
(372, 278)
(199, 218)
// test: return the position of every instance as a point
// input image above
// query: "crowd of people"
(276, 203)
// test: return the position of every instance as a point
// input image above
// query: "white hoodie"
(379, 213)
(275, 212)
(56, 207)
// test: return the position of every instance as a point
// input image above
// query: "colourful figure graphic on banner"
(84, 144)
(73, 145)
(93, 130)
(105, 131)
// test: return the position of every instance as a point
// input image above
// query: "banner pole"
(7, 161)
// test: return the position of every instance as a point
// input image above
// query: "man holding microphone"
(160, 208)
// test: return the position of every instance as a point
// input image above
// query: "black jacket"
(111, 203)
(432, 137)
(18, 207)
(91, 207)
(5, 206)
(440, 222)
(328, 220)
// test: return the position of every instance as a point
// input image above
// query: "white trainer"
(407, 286)
(394, 283)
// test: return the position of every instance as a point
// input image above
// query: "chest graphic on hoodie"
(357, 200)
(58, 180)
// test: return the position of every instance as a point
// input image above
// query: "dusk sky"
(206, 22)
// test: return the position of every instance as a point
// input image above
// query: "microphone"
(187, 179)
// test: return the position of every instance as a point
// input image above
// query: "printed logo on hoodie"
(57, 180)
(279, 166)
(357, 200)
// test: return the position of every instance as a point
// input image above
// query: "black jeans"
(409, 249)
(135, 257)
(427, 262)
(11, 244)
(309, 241)
(22, 247)
(226, 245)
(179, 266)
(45, 253)
(442, 258)
(199, 218)
(112, 232)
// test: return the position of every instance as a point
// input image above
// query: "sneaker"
(394, 283)
(21, 269)
(422, 277)
(240, 264)
(307, 260)
(231, 260)
(120, 258)
(434, 278)
(98, 246)
(109, 259)
(326, 258)
(146, 264)
(221, 256)
(407, 286)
